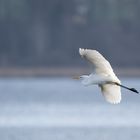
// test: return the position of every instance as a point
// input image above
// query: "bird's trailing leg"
(131, 89)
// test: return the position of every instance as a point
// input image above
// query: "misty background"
(48, 33)
(39, 42)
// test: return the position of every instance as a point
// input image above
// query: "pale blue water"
(63, 109)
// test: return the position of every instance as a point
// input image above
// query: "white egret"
(103, 76)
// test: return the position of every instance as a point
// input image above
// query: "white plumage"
(103, 76)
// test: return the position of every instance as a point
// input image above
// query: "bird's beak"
(76, 77)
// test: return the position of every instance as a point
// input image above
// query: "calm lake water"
(63, 109)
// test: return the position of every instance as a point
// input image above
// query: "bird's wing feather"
(102, 66)
(112, 93)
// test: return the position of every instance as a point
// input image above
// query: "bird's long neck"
(132, 89)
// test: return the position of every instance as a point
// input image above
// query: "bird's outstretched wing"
(101, 65)
(112, 93)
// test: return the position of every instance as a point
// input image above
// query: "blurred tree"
(49, 32)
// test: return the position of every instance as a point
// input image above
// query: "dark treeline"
(49, 32)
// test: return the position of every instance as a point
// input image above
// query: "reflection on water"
(64, 109)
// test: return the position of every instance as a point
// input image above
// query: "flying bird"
(103, 76)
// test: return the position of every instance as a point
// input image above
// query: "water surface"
(63, 109)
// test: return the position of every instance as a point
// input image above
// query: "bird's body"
(103, 76)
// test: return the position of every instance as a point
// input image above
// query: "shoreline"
(61, 72)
